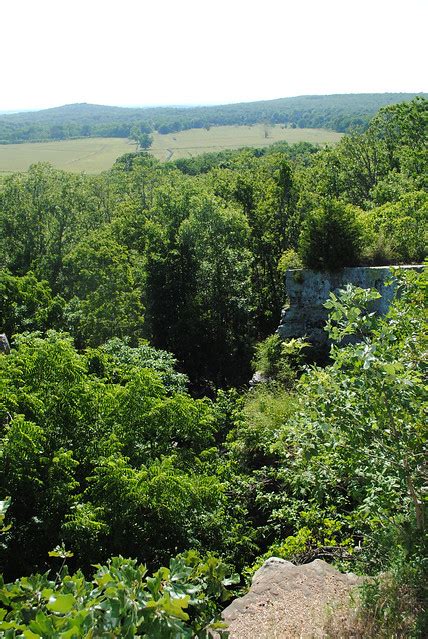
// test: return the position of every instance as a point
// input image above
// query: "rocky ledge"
(306, 292)
(289, 602)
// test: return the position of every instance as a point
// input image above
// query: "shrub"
(121, 601)
(331, 237)
(279, 361)
(289, 259)
(396, 232)
(391, 604)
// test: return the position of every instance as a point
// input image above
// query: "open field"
(94, 155)
(91, 155)
(196, 141)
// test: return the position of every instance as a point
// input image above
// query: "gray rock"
(4, 344)
(289, 602)
(258, 378)
(306, 290)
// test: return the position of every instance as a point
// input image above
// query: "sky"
(142, 52)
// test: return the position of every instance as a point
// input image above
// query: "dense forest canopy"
(190, 255)
(337, 112)
(134, 302)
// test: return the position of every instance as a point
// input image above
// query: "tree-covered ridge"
(337, 112)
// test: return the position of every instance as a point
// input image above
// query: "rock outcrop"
(4, 344)
(289, 602)
(307, 291)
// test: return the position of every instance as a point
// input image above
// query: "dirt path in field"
(101, 149)
(292, 602)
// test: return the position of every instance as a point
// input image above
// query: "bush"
(331, 237)
(391, 604)
(396, 232)
(102, 455)
(279, 361)
(121, 600)
(289, 259)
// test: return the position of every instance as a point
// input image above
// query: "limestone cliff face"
(307, 291)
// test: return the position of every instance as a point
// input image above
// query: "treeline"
(337, 112)
(108, 448)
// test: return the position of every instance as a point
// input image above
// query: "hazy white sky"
(140, 52)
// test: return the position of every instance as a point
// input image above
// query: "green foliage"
(393, 604)
(199, 295)
(331, 237)
(27, 304)
(60, 551)
(263, 415)
(102, 284)
(346, 449)
(140, 133)
(122, 359)
(396, 232)
(380, 165)
(193, 259)
(42, 215)
(279, 361)
(264, 190)
(320, 539)
(4, 506)
(217, 238)
(350, 313)
(121, 600)
(288, 260)
(84, 432)
(162, 508)
(105, 452)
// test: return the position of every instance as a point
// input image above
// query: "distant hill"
(335, 112)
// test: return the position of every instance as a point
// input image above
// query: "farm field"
(93, 155)
(184, 144)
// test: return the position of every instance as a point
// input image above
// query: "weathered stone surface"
(307, 291)
(287, 601)
(258, 378)
(4, 344)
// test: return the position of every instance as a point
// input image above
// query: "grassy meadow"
(93, 155)
(173, 146)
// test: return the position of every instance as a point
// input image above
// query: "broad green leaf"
(8, 625)
(60, 551)
(61, 603)
(105, 579)
(72, 633)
